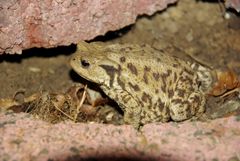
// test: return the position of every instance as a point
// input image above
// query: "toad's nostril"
(85, 63)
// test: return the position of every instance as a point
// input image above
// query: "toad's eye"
(85, 63)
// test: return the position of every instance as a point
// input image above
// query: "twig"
(230, 92)
(64, 113)
(81, 103)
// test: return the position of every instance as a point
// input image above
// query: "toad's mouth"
(88, 77)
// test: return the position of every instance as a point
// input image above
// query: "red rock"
(48, 23)
(23, 138)
(235, 4)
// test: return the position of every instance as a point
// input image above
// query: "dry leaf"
(7, 103)
(226, 81)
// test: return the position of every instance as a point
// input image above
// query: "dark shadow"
(231, 10)
(157, 12)
(211, 1)
(111, 35)
(109, 158)
(222, 6)
(78, 79)
(39, 52)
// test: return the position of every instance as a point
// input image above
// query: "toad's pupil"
(85, 63)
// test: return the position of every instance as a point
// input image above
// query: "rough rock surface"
(47, 23)
(23, 138)
(235, 4)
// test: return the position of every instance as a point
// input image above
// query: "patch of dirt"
(191, 28)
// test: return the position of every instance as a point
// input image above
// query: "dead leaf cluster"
(78, 104)
(227, 83)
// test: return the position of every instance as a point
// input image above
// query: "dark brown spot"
(132, 68)
(177, 100)
(145, 78)
(181, 112)
(107, 50)
(191, 88)
(170, 93)
(169, 72)
(134, 87)
(190, 72)
(156, 76)
(122, 59)
(188, 80)
(176, 60)
(147, 99)
(175, 77)
(164, 83)
(141, 103)
(180, 92)
(189, 113)
(111, 71)
(147, 68)
(161, 105)
(196, 99)
(145, 75)
(144, 112)
(185, 79)
(158, 60)
(144, 97)
(121, 83)
(129, 47)
(185, 102)
(126, 98)
(156, 91)
(163, 87)
(167, 110)
(122, 50)
(143, 45)
(175, 65)
(170, 82)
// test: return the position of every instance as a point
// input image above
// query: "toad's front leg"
(130, 105)
(131, 108)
